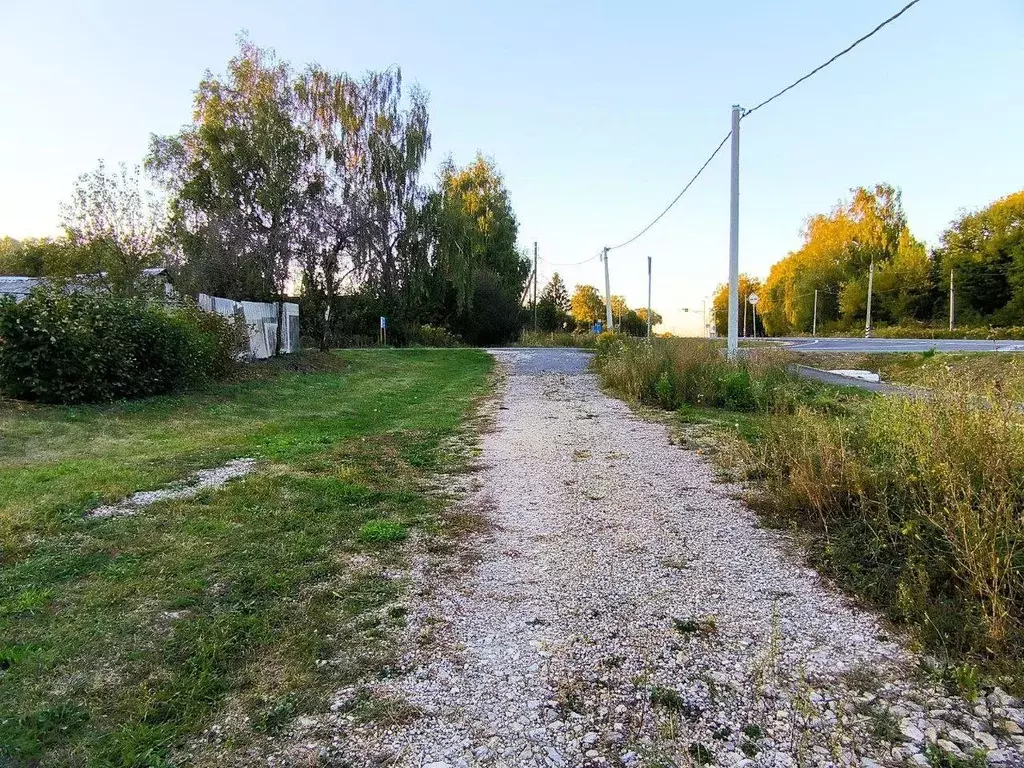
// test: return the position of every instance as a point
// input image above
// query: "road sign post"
(753, 299)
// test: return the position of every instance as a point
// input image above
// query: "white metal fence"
(261, 320)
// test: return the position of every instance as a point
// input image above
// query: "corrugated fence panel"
(261, 319)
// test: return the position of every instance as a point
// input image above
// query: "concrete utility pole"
(814, 323)
(534, 286)
(609, 326)
(952, 298)
(734, 236)
(648, 297)
(871, 285)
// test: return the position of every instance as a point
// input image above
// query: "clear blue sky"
(596, 113)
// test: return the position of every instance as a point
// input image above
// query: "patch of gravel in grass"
(202, 480)
(560, 645)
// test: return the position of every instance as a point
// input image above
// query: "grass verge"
(914, 504)
(998, 374)
(122, 638)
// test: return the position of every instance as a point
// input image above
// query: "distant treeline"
(982, 252)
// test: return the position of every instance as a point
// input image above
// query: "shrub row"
(923, 331)
(984, 333)
(60, 347)
(436, 336)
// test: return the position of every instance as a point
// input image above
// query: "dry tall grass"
(672, 372)
(920, 503)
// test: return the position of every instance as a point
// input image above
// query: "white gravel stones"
(196, 484)
(911, 732)
(625, 609)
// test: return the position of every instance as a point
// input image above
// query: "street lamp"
(704, 314)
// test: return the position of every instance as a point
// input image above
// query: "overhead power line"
(570, 263)
(677, 197)
(843, 52)
(747, 112)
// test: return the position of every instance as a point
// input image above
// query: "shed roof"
(17, 286)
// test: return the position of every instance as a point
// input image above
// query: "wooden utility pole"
(534, 286)
(952, 300)
(648, 297)
(607, 296)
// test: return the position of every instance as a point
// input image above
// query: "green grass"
(120, 638)
(382, 531)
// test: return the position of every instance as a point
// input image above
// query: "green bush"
(494, 317)
(432, 336)
(59, 347)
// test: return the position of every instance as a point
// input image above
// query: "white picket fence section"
(261, 320)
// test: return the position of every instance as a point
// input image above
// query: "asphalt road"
(899, 345)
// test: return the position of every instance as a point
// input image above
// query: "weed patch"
(380, 531)
(701, 754)
(693, 373)
(918, 506)
(689, 626)
(666, 698)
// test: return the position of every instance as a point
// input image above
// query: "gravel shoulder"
(624, 608)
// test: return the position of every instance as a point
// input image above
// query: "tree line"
(557, 311)
(982, 252)
(305, 180)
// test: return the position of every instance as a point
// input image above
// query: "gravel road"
(624, 608)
